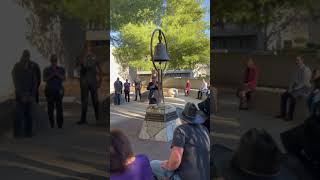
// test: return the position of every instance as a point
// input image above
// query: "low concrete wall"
(267, 101)
(274, 71)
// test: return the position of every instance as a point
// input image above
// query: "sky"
(206, 4)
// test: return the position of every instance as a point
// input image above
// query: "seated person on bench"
(249, 84)
(299, 87)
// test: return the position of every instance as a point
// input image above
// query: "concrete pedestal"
(160, 123)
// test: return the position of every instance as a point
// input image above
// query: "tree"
(184, 27)
(269, 16)
(123, 12)
(59, 26)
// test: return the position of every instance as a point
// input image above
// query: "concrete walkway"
(228, 130)
(241, 121)
(129, 118)
(74, 152)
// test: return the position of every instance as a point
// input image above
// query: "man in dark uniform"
(54, 76)
(89, 69)
(25, 82)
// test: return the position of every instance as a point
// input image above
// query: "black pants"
(200, 94)
(127, 96)
(23, 120)
(85, 89)
(138, 92)
(55, 102)
(285, 97)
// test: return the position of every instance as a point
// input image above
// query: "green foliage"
(87, 11)
(123, 12)
(48, 20)
(271, 16)
(184, 27)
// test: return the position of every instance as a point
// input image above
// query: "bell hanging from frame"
(160, 53)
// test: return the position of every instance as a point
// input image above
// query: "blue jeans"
(161, 172)
(312, 101)
(23, 120)
(118, 99)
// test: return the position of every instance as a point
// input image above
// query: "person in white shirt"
(203, 89)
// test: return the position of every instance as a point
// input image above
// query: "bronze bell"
(160, 53)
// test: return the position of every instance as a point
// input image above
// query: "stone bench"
(267, 100)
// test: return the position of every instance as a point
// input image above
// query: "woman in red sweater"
(249, 84)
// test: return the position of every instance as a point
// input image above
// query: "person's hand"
(316, 91)
(164, 164)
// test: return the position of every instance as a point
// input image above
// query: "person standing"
(24, 75)
(249, 84)
(127, 91)
(299, 87)
(117, 91)
(137, 87)
(188, 88)
(190, 149)
(54, 76)
(152, 87)
(89, 83)
(203, 89)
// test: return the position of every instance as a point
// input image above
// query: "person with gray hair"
(299, 87)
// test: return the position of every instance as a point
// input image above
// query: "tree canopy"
(184, 27)
(271, 16)
(50, 23)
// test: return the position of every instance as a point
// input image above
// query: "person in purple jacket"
(124, 165)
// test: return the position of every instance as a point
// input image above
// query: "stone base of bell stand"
(160, 123)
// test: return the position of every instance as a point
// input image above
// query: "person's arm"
(62, 76)
(46, 75)
(174, 160)
(148, 87)
(177, 148)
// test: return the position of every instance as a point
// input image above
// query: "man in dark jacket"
(25, 81)
(89, 69)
